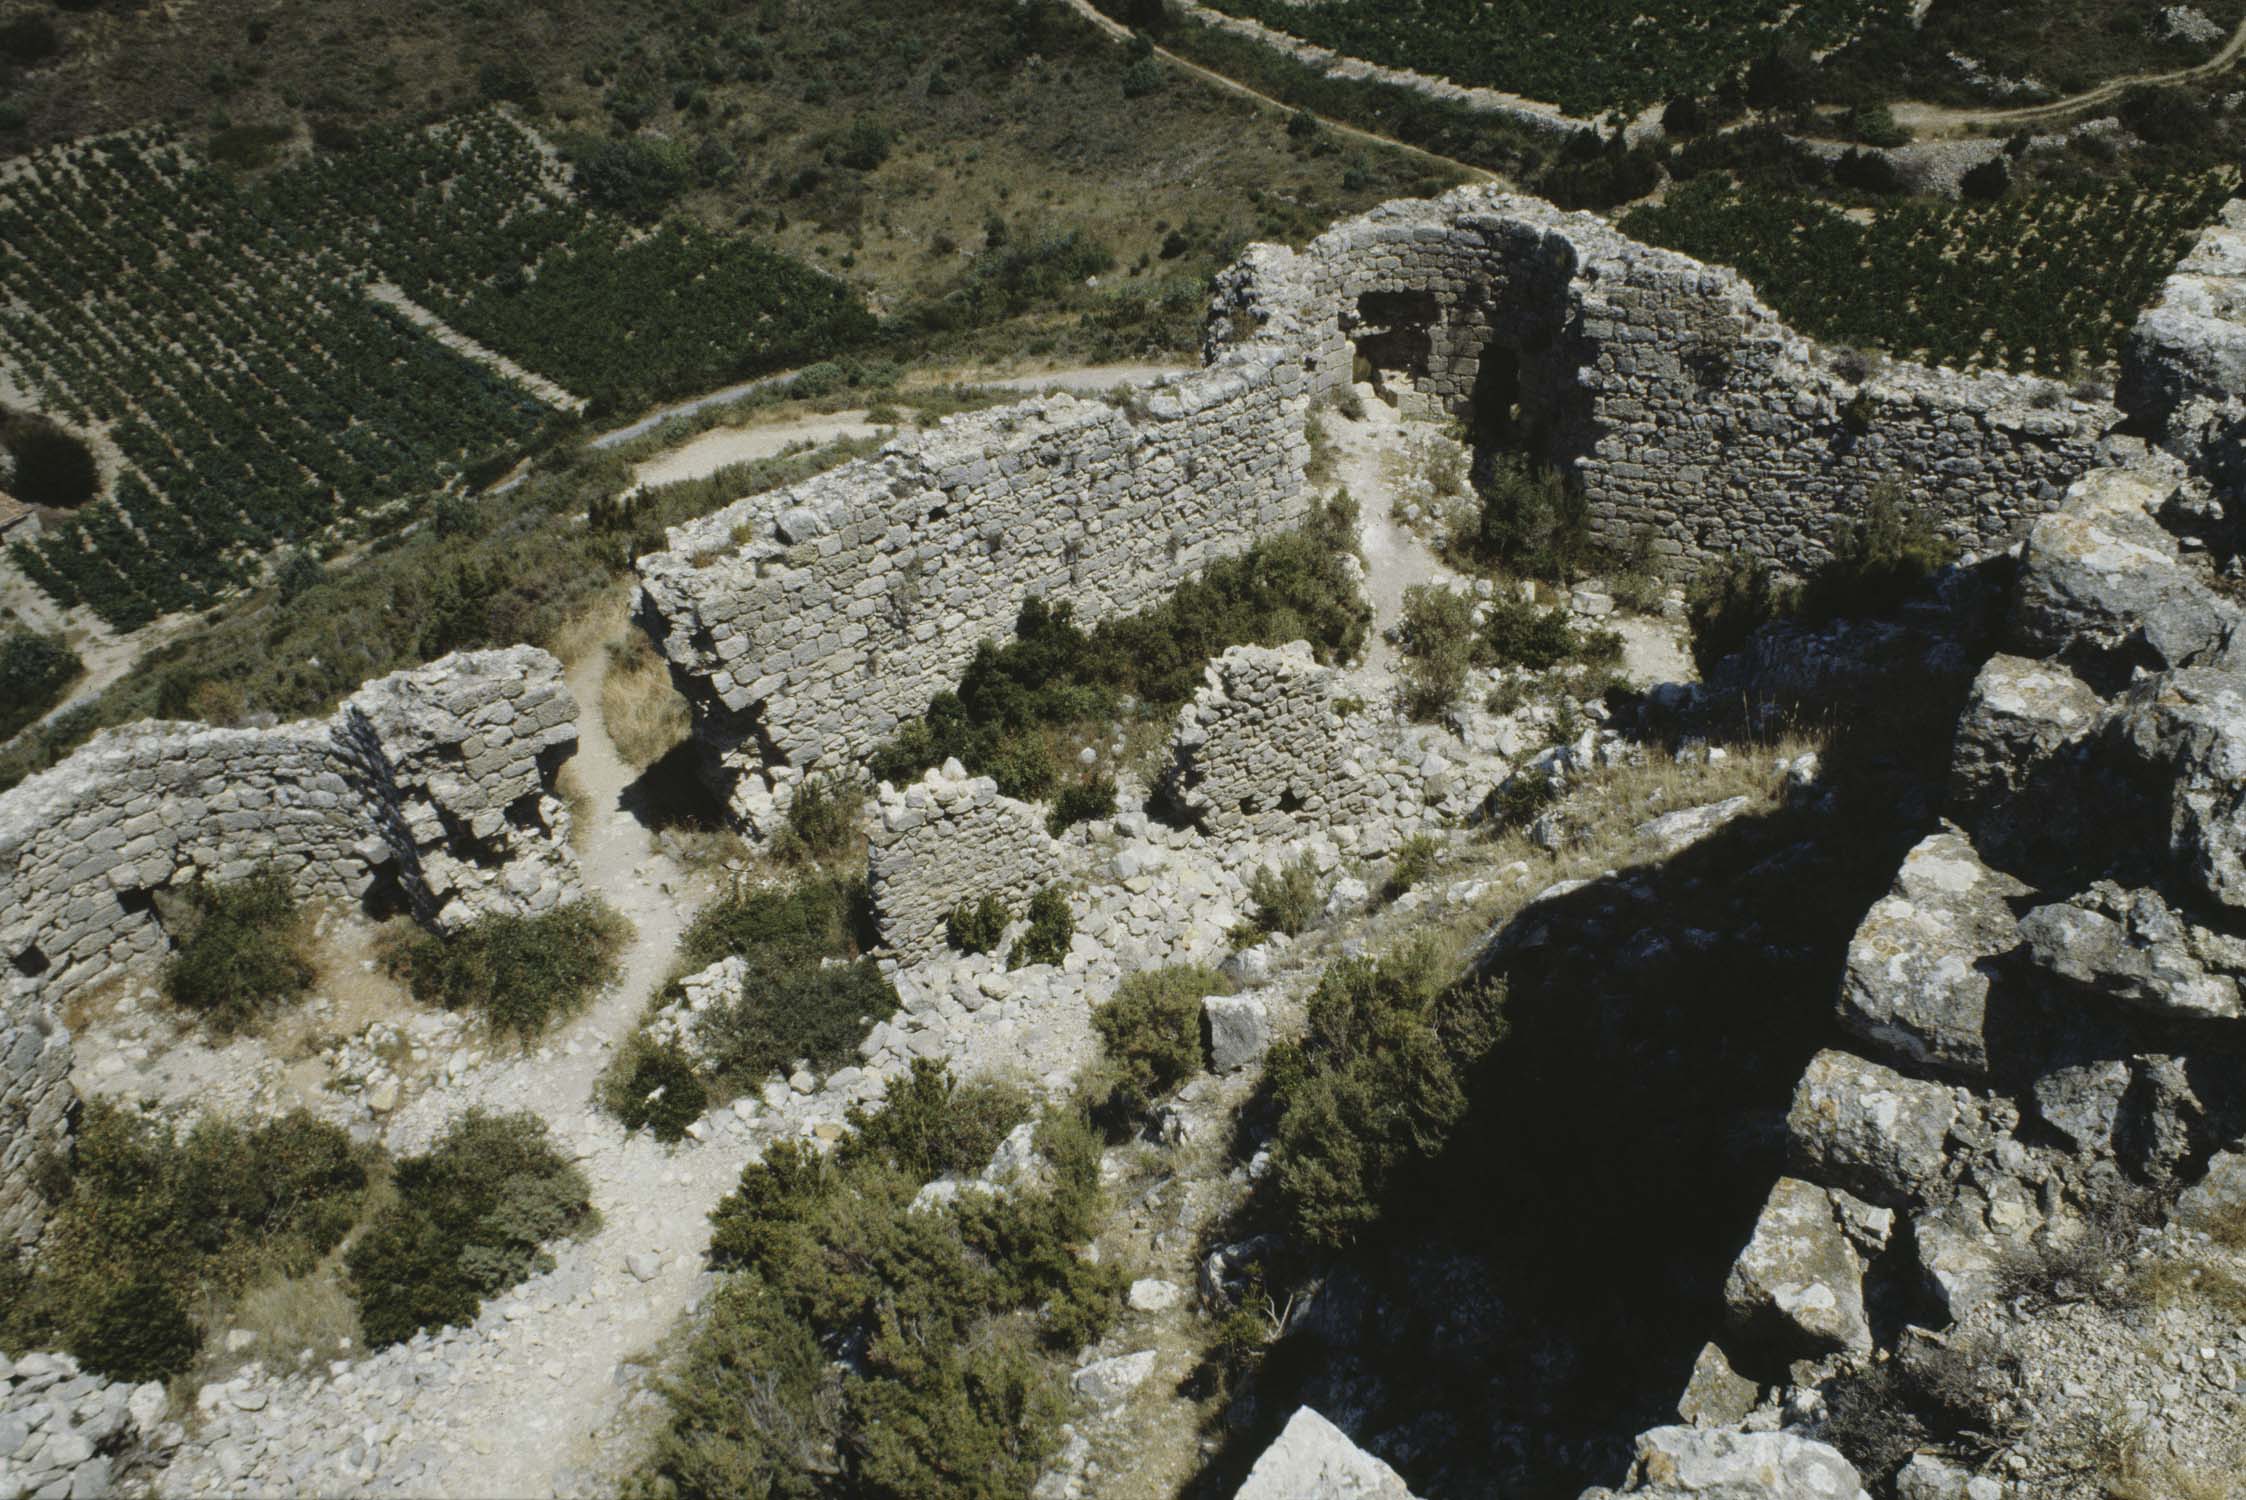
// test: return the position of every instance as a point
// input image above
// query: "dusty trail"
(1935, 121)
(1370, 456)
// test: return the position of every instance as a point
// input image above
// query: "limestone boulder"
(1870, 1130)
(2189, 729)
(1239, 1031)
(1919, 967)
(1717, 1395)
(1799, 1284)
(2131, 946)
(1724, 1463)
(1312, 1459)
(2019, 716)
(2100, 582)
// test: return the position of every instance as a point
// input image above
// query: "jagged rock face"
(1917, 981)
(2183, 369)
(1312, 1459)
(2131, 946)
(1869, 1129)
(1799, 1281)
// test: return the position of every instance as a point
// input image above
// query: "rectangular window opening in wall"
(29, 961)
(939, 513)
(136, 901)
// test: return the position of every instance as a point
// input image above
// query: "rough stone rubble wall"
(950, 840)
(442, 776)
(2183, 370)
(1680, 402)
(806, 624)
(1260, 745)
(36, 1105)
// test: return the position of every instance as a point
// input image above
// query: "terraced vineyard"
(221, 335)
(1584, 55)
(2042, 282)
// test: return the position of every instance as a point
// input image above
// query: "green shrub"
(1144, 77)
(244, 954)
(1286, 899)
(1416, 858)
(634, 177)
(814, 1012)
(1082, 802)
(1051, 926)
(1438, 646)
(1727, 605)
(1532, 522)
(1375, 1085)
(655, 1086)
(977, 928)
(148, 1223)
(1879, 560)
(959, 1315)
(520, 973)
(1518, 634)
(1055, 675)
(825, 822)
(1522, 796)
(813, 918)
(472, 1217)
(35, 671)
(1150, 1037)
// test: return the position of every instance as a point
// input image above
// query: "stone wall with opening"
(432, 788)
(37, 1104)
(1259, 749)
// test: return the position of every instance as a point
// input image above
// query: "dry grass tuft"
(646, 716)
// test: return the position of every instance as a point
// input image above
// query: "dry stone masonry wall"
(440, 778)
(806, 624)
(1260, 745)
(36, 1106)
(951, 840)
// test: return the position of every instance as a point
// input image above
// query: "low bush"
(978, 928)
(519, 973)
(1375, 1085)
(1518, 634)
(1727, 605)
(1051, 927)
(1082, 802)
(1438, 646)
(1531, 522)
(150, 1224)
(1286, 900)
(825, 822)
(960, 1316)
(1150, 1039)
(1416, 859)
(1055, 675)
(654, 1086)
(35, 671)
(245, 952)
(472, 1217)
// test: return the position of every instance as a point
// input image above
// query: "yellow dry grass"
(646, 717)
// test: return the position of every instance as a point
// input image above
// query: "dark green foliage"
(509, 81)
(1727, 605)
(1375, 1085)
(243, 953)
(1082, 802)
(1438, 643)
(1051, 926)
(961, 1312)
(1055, 675)
(931, 1125)
(54, 467)
(472, 1218)
(634, 177)
(863, 146)
(248, 147)
(35, 671)
(1150, 1038)
(297, 571)
(1532, 522)
(1417, 858)
(1986, 182)
(1521, 797)
(977, 928)
(825, 822)
(656, 1087)
(149, 1224)
(29, 40)
(1144, 77)
(813, 918)
(519, 973)
(815, 1013)
(1286, 898)
(1518, 634)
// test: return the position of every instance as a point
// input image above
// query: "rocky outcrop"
(36, 1105)
(1704, 1463)
(67, 1433)
(1918, 968)
(1312, 1459)
(1799, 1281)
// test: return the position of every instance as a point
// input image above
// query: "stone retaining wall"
(950, 840)
(806, 624)
(440, 780)
(36, 1105)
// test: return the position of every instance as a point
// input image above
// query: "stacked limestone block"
(36, 1104)
(443, 775)
(1683, 405)
(67, 1433)
(950, 840)
(2185, 362)
(1257, 752)
(804, 625)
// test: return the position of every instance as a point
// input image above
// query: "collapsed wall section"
(1260, 745)
(36, 1105)
(951, 840)
(1683, 406)
(439, 779)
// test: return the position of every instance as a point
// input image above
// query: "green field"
(2046, 283)
(220, 332)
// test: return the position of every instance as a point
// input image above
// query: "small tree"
(1051, 928)
(1438, 646)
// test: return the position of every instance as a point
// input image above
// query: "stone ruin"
(805, 625)
(950, 840)
(1260, 745)
(433, 789)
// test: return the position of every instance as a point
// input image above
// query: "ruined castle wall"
(951, 840)
(807, 623)
(1680, 402)
(440, 778)
(36, 1103)
(1260, 747)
